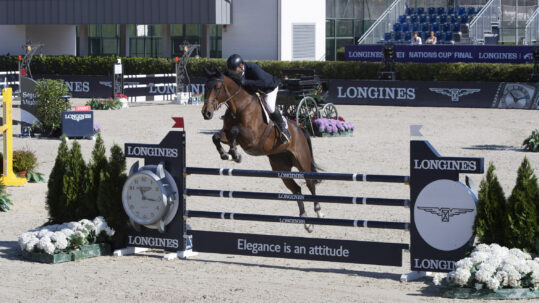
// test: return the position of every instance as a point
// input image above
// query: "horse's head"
(214, 93)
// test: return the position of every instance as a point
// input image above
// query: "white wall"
(302, 11)
(14, 37)
(57, 39)
(253, 34)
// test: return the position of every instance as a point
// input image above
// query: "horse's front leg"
(233, 142)
(217, 139)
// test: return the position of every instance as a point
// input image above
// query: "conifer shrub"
(521, 209)
(490, 221)
(56, 199)
(109, 200)
(97, 164)
(75, 183)
(532, 142)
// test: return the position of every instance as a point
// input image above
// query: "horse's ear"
(207, 72)
(218, 72)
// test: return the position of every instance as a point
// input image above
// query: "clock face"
(143, 198)
(515, 96)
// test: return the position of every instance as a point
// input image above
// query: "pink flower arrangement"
(332, 126)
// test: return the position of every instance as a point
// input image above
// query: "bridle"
(230, 97)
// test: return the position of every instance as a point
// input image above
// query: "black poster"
(434, 94)
(83, 86)
(78, 124)
(378, 253)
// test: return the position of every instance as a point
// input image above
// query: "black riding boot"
(282, 125)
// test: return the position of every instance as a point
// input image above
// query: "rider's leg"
(276, 116)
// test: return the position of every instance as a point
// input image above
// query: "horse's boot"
(281, 125)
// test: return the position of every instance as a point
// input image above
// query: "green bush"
(532, 142)
(24, 160)
(521, 209)
(75, 183)
(50, 106)
(56, 198)
(5, 200)
(70, 65)
(490, 221)
(97, 165)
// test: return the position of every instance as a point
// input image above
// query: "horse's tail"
(314, 166)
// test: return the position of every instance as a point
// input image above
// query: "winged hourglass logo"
(455, 93)
(445, 212)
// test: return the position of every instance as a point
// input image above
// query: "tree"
(74, 186)
(56, 199)
(97, 164)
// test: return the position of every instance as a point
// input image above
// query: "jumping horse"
(245, 124)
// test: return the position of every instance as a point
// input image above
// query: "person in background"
(416, 40)
(431, 38)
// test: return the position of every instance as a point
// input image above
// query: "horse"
(244, 124)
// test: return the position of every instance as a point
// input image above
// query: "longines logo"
(77, 117)
(445, 212)
(455, 93)
(144, 151)
(390, 93)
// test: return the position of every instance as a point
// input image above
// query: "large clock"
(516, 95)
(150, 197)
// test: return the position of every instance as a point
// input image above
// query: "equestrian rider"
(255, 79)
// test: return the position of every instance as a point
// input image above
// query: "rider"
(255, 79)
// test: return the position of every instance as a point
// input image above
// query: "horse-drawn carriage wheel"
(329, 111)
(307, 110)
(290, 111)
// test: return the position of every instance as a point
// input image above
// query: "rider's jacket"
(256, 79)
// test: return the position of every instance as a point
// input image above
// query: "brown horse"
(244, 124)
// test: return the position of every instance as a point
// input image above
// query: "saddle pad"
(265, 114)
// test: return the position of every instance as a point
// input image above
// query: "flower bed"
(67, 242)
(492, 271)
(324, 127)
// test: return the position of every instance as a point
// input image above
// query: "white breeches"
(271, 99)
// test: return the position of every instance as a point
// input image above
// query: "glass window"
(330, 49)
(103, 40)
(345, 28)
(344, 8)
(330, 8)
(330, 28)
(340, 44)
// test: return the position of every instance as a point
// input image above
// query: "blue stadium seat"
(431, 10)
(420, 10)
(450, 10)
(408, 36)
(433, 18)
(405, 27)
(446, 27)
(435, 27)
(464, 19)
(397, 36)
(410, 10)
(397, 27)
(448, 38)
(414, 18)
(443, 18)
(440, 10)
(422, 18)
(439, 35)
(416, 27)
(455, 27)
(388, 37)
(423, 36)
(425, 27)
(402, 19)
(453, 19)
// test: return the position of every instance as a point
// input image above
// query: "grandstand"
(460, 22)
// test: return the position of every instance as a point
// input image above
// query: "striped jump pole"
(296, 197)
(296, 175)
(297, 220)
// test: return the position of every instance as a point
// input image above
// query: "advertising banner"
(78, 124)
(434, 94)
(443, 53)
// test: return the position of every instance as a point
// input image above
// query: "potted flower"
(332, 127)
(67, 242)
(492, 272)
(23, 161)
(122, 98)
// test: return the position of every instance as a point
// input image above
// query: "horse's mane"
(234, 75)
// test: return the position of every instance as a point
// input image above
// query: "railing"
(384, 24)
(531, 32)
(490, 14)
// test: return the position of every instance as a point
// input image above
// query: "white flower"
(482, 247)
(44, 233)
(438, 277)
(465, 263)
(61, 243)
(493, 283)
(67, 232)
(462, 275)
(519, 254)
(73, 225)
(479, 257)
(46, 245)
(484, 273)
(31, 244)
(109, 231)
(501, 276)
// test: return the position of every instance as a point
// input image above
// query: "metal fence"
(482, 23)
(384, 24)
(531, 32)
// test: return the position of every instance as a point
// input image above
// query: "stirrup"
(284, 137)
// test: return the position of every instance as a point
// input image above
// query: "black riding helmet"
(234, 61)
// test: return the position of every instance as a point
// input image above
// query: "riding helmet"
(234, 61)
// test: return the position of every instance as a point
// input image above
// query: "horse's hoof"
(237, 158)
(309, 228)
(320, 214)
(225, 156)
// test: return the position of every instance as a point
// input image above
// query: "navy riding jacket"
(256, 79)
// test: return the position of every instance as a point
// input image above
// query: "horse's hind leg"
(283, 162)
(311, 185)
(217, 139)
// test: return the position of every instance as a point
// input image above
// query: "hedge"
(71, 65)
